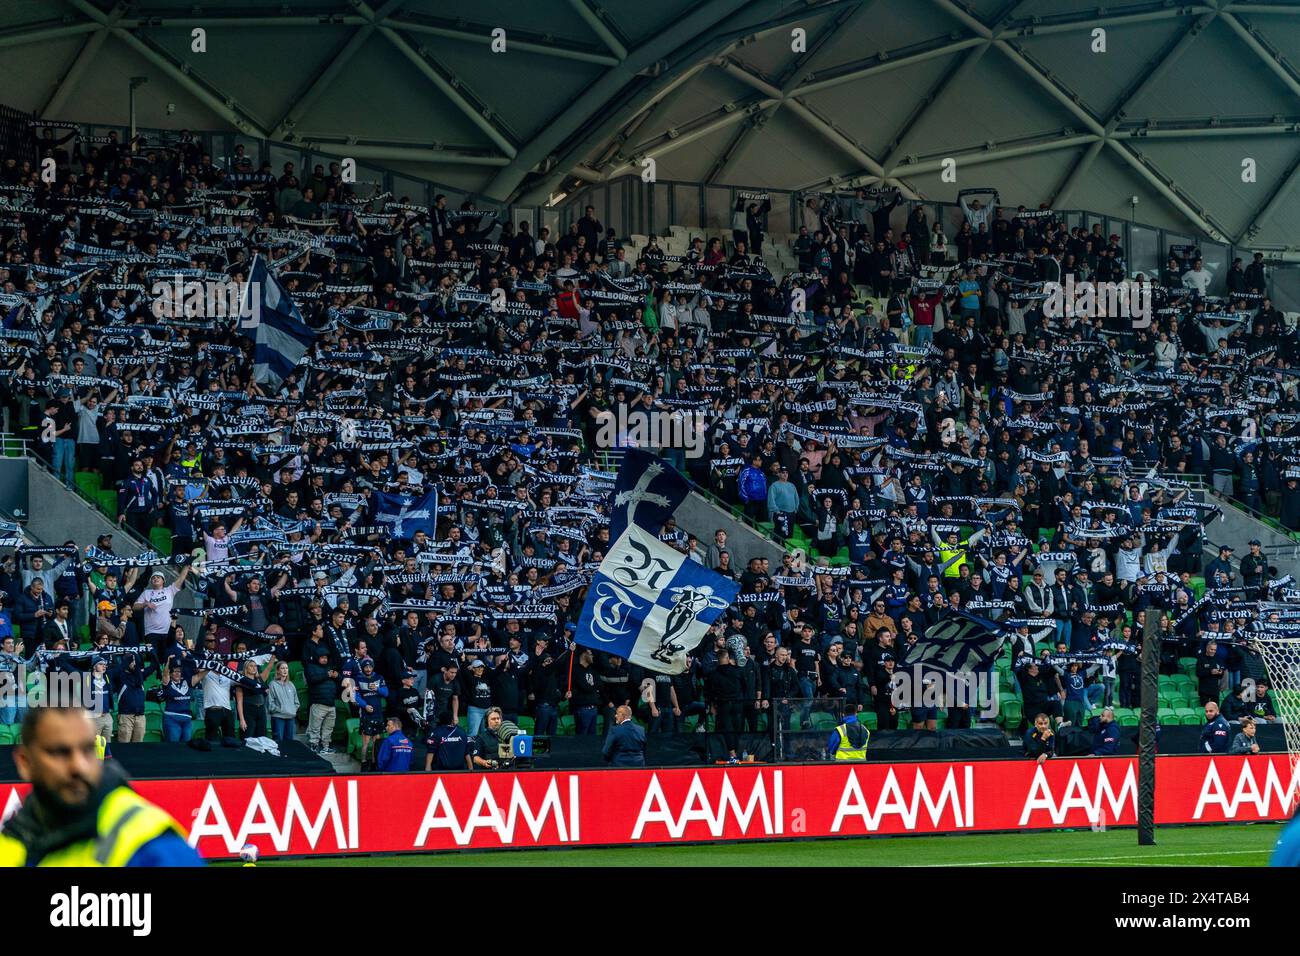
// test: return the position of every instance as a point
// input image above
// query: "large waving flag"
(648, 602)
(281, 337)
(957, 643)
(405, 514)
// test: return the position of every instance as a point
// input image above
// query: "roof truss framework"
(629, 105)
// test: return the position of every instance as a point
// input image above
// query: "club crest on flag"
(648, 602)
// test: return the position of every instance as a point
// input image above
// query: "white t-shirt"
(157, 608)
(215, 549)
(216, 690)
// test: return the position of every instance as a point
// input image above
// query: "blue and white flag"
(281, 337)
(650, 603)
(406, 514)
(957, 643)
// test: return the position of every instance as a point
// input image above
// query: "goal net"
(1282, 659)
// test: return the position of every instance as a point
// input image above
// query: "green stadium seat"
(108, 503)
(160, 539)
(1131, 719)
(868, 718)
(824, 721)
(152, 736)
(9, 733)
(526, 724)
(1010, 713)
(353, 727)
(88, 483)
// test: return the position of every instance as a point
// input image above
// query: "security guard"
(849, 740)
(80, 811)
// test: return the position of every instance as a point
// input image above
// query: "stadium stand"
(411, 471)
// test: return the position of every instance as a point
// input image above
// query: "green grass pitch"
(1196, 846)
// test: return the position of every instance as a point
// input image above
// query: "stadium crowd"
(408, 517)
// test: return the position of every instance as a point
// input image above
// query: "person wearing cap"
(372, 693)
(1220, 565)
(97, 696)
(156, 602)
(129, 671)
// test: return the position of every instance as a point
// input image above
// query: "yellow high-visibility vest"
(127, 821)
(846, 750)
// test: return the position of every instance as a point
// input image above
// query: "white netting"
(1282, 658)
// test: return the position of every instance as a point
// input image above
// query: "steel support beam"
(70, 79)
(883, 63)
(907, 132)
(706, 24)
(181, 74)
(1139, 131)
(434, 74)
(1271, 203)
(39, 34)
(1165, 189)
(677, 138)
(789, 81)
(1270, 58)
(410, 154)
(978, 157)
(1077, 172)
(600, 28)
(1050, 86)
(330, 72)
(516, 41)
(1074, 24)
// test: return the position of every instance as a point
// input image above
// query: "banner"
(648, 602)
(414, 812)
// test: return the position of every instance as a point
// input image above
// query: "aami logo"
(288, 825)
(1274, 798)
(10, 804)
(1079, 796)
(714, 810)
(905, 803)
(486, 813)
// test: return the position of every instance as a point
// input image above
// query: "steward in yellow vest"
(80, 811)
(849, 740)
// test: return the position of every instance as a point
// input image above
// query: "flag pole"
(1150, 702)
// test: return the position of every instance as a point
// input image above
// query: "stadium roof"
(713, 90)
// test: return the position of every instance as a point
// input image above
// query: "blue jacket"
(395, 753)
(753, 484)
(25, 613)
(1106, 742)
(1216, 736)
(625, 745)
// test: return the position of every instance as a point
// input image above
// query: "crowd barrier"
(391, 813)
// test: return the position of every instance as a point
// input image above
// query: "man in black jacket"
(781, 683)
(1209, 673)
(625, 743)
(725, 692)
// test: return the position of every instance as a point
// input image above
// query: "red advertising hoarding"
(330, 815)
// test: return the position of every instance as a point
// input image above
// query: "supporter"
(1245, 742)
(1040, 742)
(1215, 735)
(1022, 443)
(283, 704)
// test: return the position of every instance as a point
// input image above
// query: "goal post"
(1282, 661)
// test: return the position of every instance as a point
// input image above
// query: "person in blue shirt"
(1216, 735)
(1076, 695)
(1105, 741)
(395, 751)
(1287, 851)
(449, 746)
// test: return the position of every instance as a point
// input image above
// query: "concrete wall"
(701, 517)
